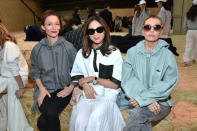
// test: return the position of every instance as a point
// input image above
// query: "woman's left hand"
(133, 102)
(66, 91)
(86, 80)
(155, 108)
(19, 93)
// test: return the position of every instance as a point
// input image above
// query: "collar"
(161, 44)
(46, 42)
(101, 49)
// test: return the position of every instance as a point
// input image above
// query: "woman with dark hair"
(90, 12)
(76, 16)
(51, 63)
(13, 78)
(190, 25)
(165, 15)
(140, 15)
(67, 26)
(97, 70)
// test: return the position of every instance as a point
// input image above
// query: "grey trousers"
(141, 117)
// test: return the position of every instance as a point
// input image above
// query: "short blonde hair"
(154, 17)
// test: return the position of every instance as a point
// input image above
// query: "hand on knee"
(155, 108)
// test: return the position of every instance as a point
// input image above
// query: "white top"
(12, 62)
(109, 67)
(166, 17)
(84, 66)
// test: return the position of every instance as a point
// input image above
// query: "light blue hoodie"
(150, 76)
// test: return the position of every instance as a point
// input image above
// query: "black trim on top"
(77, 77)
(95, 56)
(126, 97)
(101, 49)
(94, 61)
(116, 81)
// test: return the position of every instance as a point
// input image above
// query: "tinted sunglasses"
(155, 27)
(98, 30)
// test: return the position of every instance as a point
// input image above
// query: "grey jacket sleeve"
(72, 56)
(34, 69)
(71, 53)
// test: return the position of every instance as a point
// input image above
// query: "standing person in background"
(67, 26)
(165, 15)
(13, 78)
(87, 11)
(90, 12)
(51, 63)
(107, 16)
(130, 20)
(190, 25)
(75, 37)
(140, 15)
(118, 24)
(33, 33)
(76, 16)
(149, 74)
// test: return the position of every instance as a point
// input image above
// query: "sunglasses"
(155, 27)
(98, 30)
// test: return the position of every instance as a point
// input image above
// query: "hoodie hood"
(46, 42)
(161, 44)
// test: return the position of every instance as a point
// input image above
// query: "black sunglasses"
(98, 30)
(155, 27)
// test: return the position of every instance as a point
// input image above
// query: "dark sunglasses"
(155, 27)
(98, 30)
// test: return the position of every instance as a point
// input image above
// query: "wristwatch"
(95, 81)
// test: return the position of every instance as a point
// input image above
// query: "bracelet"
(95, 81)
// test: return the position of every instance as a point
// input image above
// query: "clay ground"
(185, 94)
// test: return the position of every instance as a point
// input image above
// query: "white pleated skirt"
(100, 114)
(12, 117)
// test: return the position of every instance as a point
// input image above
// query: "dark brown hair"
(87, 43)
(5, 35)
(191, 14)
(45, 15)
(76, 10)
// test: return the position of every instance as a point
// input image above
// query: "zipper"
(148, 70)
